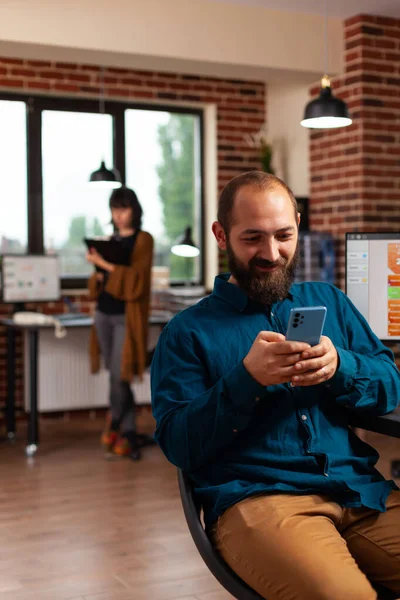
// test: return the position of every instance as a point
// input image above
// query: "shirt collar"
(234, 295)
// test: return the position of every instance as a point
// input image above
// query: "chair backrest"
(218, 567)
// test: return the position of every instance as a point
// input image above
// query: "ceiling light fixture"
(104, 178)
(327, 111)
(186, 246)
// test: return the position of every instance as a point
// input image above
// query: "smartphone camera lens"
(295, 325)
(297, 315)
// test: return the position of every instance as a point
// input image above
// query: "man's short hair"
(258, 179)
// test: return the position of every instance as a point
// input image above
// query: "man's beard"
(265, 288)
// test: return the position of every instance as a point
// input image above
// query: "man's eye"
(284, 236)
(252, 239)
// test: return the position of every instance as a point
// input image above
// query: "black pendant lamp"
(327, 111)
(185, 246)
(103, 177)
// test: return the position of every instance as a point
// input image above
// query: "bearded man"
(291, 497)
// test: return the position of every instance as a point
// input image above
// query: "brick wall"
(355, 171)
(240, 111)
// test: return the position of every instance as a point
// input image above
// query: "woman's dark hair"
(124, 197)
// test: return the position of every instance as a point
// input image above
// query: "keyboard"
(71, 316)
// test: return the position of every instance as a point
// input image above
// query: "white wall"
(190, 36)
(195, 33)
(285, 106)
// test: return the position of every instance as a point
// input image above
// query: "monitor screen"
(30, 278)
(373, 280)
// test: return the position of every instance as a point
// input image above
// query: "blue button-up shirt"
(237, 438)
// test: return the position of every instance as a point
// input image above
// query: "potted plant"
(261, 142)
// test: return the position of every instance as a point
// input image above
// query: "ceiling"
(336, 8)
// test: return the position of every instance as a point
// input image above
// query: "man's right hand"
(271, 358)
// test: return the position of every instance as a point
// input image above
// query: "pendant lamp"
(104, 178)
(327, 111)
(185, 246)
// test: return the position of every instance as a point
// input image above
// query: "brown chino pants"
(290, 547)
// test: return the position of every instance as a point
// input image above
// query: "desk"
(387, 424)
(159, 319)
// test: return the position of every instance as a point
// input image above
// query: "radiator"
(64, 378)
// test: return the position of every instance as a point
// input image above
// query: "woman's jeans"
(111, 333)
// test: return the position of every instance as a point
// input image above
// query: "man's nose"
(270, 251)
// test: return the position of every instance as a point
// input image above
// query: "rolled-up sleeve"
(367, 377)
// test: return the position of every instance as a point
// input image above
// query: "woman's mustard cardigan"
(132, 284)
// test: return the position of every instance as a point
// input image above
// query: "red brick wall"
(240, 111)
(355, 171)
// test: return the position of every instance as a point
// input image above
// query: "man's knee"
(358, 588)
(288, 582)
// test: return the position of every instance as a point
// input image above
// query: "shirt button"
(234, 430)
(303, 418)
(326, 474)
(272, 314)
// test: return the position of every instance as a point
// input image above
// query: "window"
(163, 167)
(50, 147)
(73, 144)
(13, 177)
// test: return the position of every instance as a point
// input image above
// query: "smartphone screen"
(306, 324)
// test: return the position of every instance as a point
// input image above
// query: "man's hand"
(316, 364)
(271, 359)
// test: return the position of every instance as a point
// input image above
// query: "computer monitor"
(29, 278)
(373, 280)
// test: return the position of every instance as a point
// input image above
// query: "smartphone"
(306, 324)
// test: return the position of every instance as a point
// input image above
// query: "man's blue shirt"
(237, 438)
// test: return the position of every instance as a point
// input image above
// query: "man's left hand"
(316, 365)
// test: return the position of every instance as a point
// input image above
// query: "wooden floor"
(74, 526)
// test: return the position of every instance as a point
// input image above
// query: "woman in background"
(121, 319)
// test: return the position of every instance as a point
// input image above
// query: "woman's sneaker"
(108, 440)
(126, 447)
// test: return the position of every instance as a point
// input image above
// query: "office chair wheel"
(30, 450)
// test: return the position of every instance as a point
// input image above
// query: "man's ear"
(298, 219)
(219, 233)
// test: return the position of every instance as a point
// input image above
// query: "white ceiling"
(336, 8)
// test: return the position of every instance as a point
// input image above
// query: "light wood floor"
(74, 526)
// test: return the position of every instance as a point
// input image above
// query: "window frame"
(35, 105)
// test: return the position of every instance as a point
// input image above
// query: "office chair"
(218, 567)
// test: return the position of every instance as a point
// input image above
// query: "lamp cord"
(102, 95)
(102, 91)
(326, 39)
